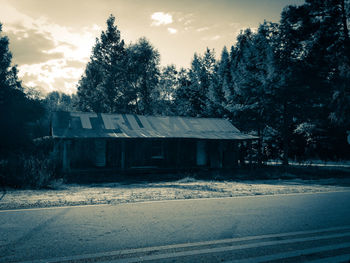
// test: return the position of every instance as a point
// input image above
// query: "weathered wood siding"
(124, 154)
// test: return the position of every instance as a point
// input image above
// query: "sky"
(51, 41)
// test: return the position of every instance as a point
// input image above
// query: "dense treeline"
(288, 82)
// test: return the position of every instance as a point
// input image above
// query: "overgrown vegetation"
(23, 162)
(34, 168)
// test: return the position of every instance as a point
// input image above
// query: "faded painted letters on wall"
(122, 122)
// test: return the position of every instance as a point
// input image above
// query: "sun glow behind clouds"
(56, 74)
(61, 55)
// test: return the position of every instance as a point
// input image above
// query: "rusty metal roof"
(105, 125)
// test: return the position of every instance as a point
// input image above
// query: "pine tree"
(220, 81)
(182, 95)
(313, 57)
(143, 75)
(229, 86)
(292, 93)
(250, 98)
(102, 87)
(166, 91)
(58, 101)
(200, 75)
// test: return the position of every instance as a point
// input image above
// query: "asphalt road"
(288, 228)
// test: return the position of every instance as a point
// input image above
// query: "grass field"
(186, 188)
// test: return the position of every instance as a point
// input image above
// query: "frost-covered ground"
(316, 163)
(114, 193)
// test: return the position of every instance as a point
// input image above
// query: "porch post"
(177, 153)
(122, 159)
(221, 153)
(201, 153)
(65, 157)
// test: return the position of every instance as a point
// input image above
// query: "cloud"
(188, 22)
(30, 46)
(172, 30)
(235, 25)
(161, 18)
(75, 64)
(47, 52)
(10, 16)
(202, 29)
(47, 75)
(213, 38)
(186, 19)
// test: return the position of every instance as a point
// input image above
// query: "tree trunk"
(344, 21)
(242, 154)
(346, 30)
(285, 135)
(259, 147)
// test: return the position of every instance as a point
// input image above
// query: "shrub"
(34, 168)
(38, 172)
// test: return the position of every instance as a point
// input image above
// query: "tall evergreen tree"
(143, 75)
(166, 91)
(250, 95)
(58, 101)
(200, 75)
(220, 81)
(102, 87)
(331, 48)
(292, 93)
(315, 56)
(183, 95)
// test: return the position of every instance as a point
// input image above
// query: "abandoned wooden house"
(126, 142)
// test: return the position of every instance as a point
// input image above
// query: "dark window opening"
(157, 150)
